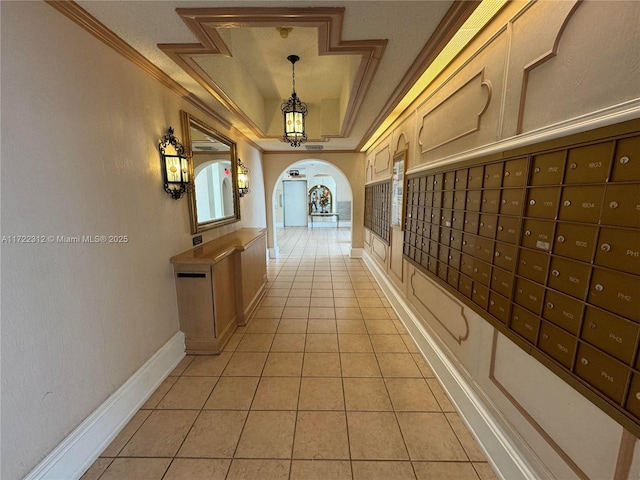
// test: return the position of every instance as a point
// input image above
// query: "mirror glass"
(213, 200)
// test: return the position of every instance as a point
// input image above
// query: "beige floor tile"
(292, 325)
(288, 342)
(365, 293)
(161, 391)
(410, 344)
(277, 393)
(233, 393)
(400, 327)
(245, 364)
(383, 471)
(281, 284)
(484, 471)
(126, 433)
(273, 301)
(366, 394)
(268, 312)
(161, 434)
(371, 313)
(375, 436)
(188, 393)
(319, 393)
(321, 342)
(255, 342)
(348, 313)
(208, 365)
(359, 365)
(215, 434)
(295, 312)
(197, 469)
(321, 326)
(322, 312)
(320, 470)
(354, 343)
(321, 435)
(298, 301)
(441, 397)
(445, 470)
(323, 285)
(388, 344)
(184, 363)
(422, 365)
(277, 292)
(370, 302)
(259, 470)
(411, 395)
(267, 435)
(321, 365)
(283, 364)
(263, 325)
(440, 445)
(321, 293)
(303, 284)
(233, 342)
(380, 327)
(138, 468)
(346, 293)
(466, 439)
(346, 302)
(97, 469)
(351, 326)
(300, 292)
(341, 284)
(398, 365)
(322, 302)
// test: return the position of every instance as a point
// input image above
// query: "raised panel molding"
(369, 171)
(379, 249)
(441, 305)
(457, 116)
(382, 160)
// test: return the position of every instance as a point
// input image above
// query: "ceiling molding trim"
(204, 21)
(446, 29)
(88, 22)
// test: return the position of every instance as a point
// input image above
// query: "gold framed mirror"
(213, 197)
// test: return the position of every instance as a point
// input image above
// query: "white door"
(295, 203)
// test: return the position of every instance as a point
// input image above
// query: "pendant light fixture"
(294, 112)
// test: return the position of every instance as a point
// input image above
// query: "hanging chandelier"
(294, 112)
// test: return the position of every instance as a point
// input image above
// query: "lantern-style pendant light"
(294, 112)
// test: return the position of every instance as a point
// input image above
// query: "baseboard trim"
(499, 447)
(274, 252)
(79, 450)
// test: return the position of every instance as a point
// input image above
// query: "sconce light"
(175, 165)
(243, 179)
(294, 112)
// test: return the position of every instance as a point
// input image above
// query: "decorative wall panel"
(543, 244)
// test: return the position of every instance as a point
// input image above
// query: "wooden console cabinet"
(219, 285)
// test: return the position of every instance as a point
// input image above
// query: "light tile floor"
(324, 383)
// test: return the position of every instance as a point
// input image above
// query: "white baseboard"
(274, 252)
(501, 450)
(79, 450)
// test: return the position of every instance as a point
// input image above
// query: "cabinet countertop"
(215, 250)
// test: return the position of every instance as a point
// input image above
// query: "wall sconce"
(294, 112)
(243, 179)
(175, 165)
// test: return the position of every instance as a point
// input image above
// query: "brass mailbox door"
(604, 373)
(515, 173)
(525, 324)
(442, 271)
(619, 249)
(456, 239)
(457, 220)
(429, 185)
(484, 249)
(447, 199)
(589, 164)
(445, 218)
(493, 175)
(617, 292)
(575, 241)
(511, 203)
(480, 295)
(505, 256)
(461, 178)
(454, 259)
(626, 164)
(449, 180)
(453, 278)
(469, 244)
(529, 295)
(465, 286)
(474, 199)
(459, 199)
(538, 234)
(548, 168)
(581, 204)
(437, 199)
(443, 255)
(432, 265)
(488, 225)
(563, 311)
(502, 282)
(621, 206)
(557, 343)
(533, 265)
(499, 307)
(445, 236)
(474, 180)
(433, 248)
(481, 272)
(466, 265)
(569, 277)
(438, 182)
(542, 202)
(508, 229)
(614, 335)
(490, 201)
(471, 222)
(633, 400)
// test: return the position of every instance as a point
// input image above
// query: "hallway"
(324, 383)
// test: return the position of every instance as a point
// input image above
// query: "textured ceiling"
(346, 89)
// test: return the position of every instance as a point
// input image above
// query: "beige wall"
(552, 68)
(80, 128)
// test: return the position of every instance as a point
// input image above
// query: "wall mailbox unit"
(219, 285)
(377, 208)
(545, 245)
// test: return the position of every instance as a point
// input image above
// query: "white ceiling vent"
(314, 147)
